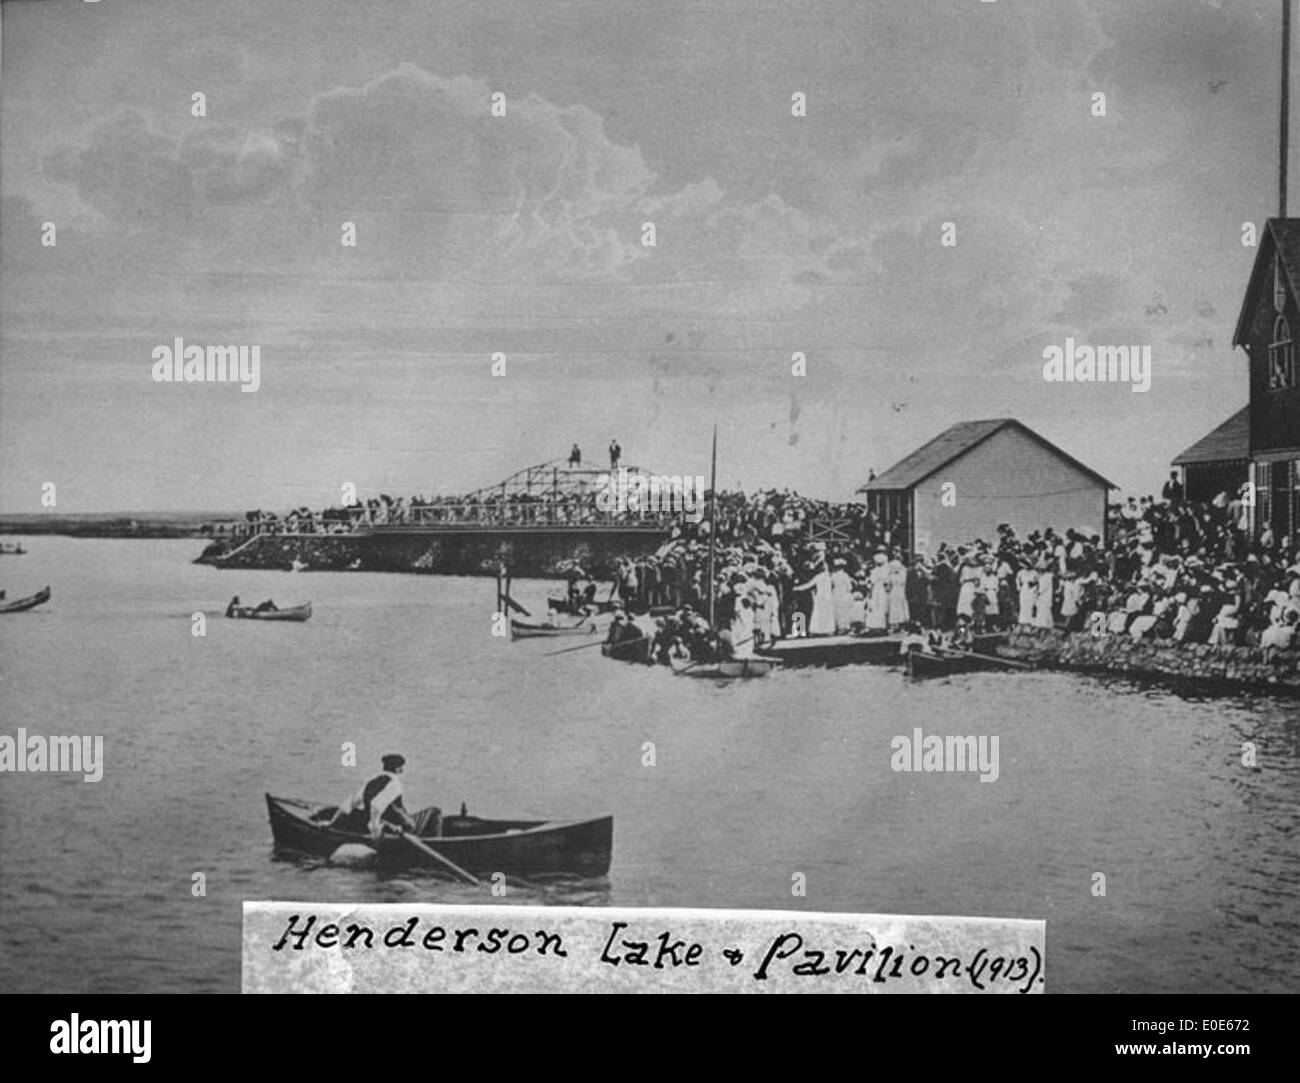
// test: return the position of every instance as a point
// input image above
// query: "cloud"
(230, 166)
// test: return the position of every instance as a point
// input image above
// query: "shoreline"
(1212, 668)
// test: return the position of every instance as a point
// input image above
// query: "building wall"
(1274, 414)
(1009, 478)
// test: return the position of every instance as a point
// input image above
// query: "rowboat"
(524, 630)
(939, 662)
(576, 609)
(39, 598)
(248, 612)
(578, 847)
(834, 650)
(629, 650)
(11, 550)
(730, 669)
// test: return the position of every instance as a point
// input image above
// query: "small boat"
(939, 662)
(248, 612)
(525, 847)
(840, 650)
(39, 598)
(628, 650)
(729, 669)
(12, 550)
(520, 629)
(577, 609)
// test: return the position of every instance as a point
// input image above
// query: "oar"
(566, 650)
(986, 658)
(446, 861)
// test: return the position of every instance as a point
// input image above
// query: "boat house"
(1269, 313)
(978, 474)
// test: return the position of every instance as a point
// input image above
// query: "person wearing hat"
(377, 803)
(821, 621)
(877, 616)
(1046, 596)
(899, 612)
(841, 595)
(1027, 593)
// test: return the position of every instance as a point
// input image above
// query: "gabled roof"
(1231, 440)
(955, 442)
(1281, 235)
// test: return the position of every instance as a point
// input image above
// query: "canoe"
(629, 650)
(247, 612)
(731, 669)
(576, 609)
(39, 598)
(482, 847)
(921, 664)
(523, 630)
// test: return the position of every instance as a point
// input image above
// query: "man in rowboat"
(377, 803)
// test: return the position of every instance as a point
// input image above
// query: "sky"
(522, 234)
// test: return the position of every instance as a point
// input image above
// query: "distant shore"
(160, 524)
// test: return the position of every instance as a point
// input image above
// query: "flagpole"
(1286, 95)
(713, 518)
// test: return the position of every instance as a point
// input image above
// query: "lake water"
(753, 782)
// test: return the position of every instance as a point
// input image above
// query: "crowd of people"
(575, 504)
(786, 565)
(1168, 569)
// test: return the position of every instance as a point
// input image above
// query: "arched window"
(1281, 357)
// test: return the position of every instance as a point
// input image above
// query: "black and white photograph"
(828, 470)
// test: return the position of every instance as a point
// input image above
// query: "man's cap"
(393, 762)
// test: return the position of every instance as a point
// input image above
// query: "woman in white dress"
(1043, 617)
(989, 587)
(1027, 590)
(898, 608)
(742, 629)
(842, 593)
(878, 601)
(822, 621)
(969, 578)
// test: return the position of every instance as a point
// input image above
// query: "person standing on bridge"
(575, 456)
(615, 453)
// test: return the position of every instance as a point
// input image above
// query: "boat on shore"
(482, 847)
(941, 663)
(727, 669)
(31, 602)
(248, 612)
(520, 629)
